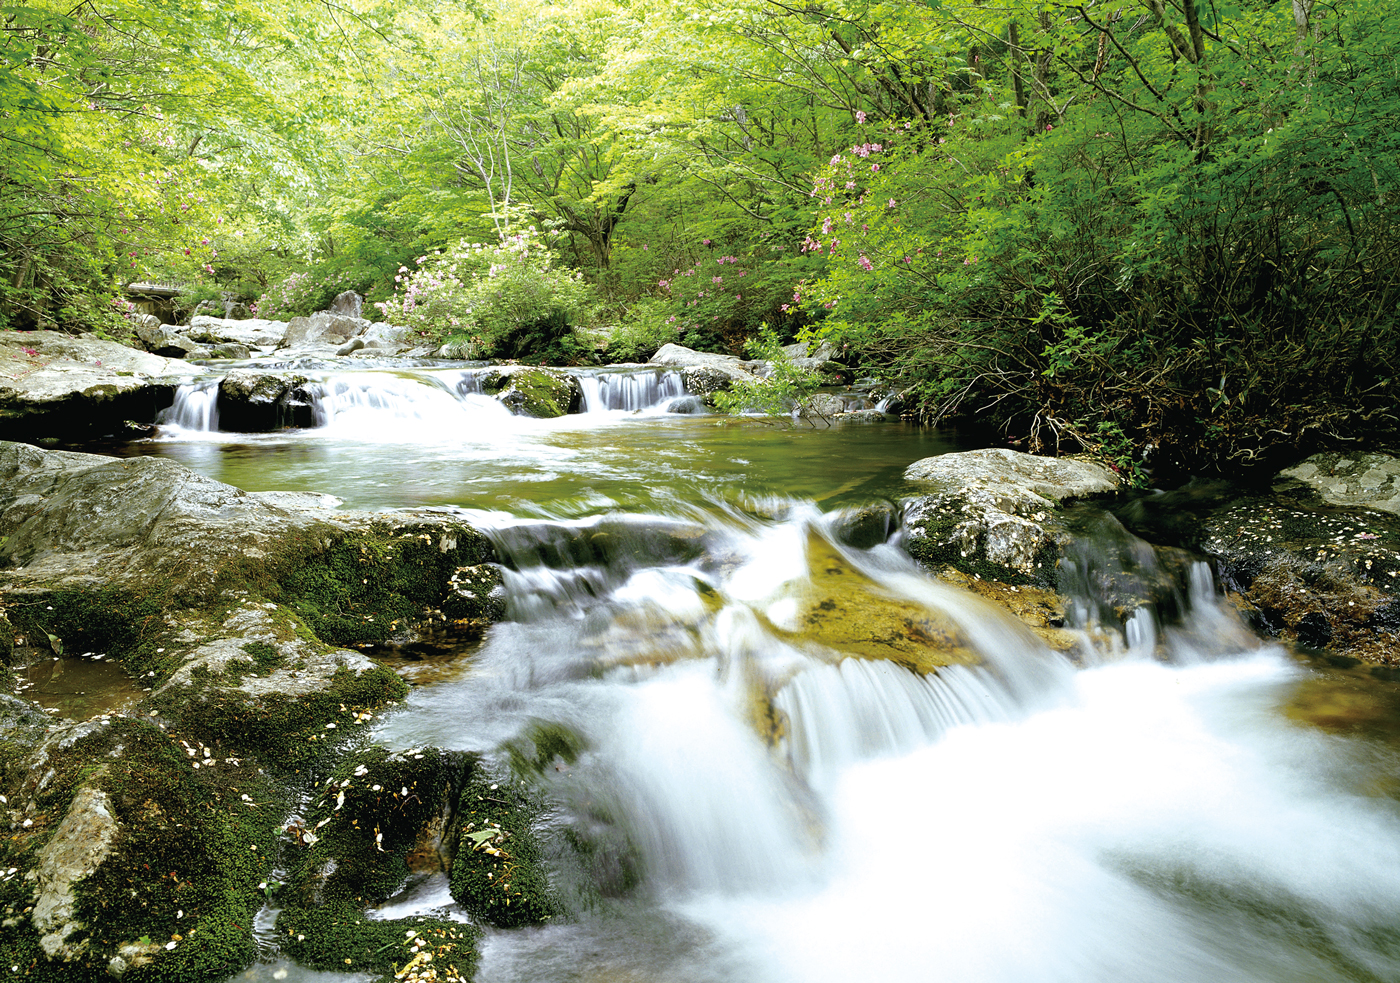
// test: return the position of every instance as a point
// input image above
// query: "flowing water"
(760, 801)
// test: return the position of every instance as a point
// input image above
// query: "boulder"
(1307, 570)
(381, 334)
(537, 392)
(347, 304)
(1365, 480)
(230, 350)
(351, 346)
(322, 328)
(992, 511)
(249, 332)
(704, 372)
(232, 608)
(258, 402)
(53, 385)
(179, 346)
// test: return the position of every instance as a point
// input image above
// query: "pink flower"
(874, 167)
(864, 262)
(860, 116)
(891, 204)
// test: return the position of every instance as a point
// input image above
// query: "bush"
(506, 301)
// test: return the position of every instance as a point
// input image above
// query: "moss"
(498, 874)
(124, 624)
(339, 937)
(542, 742)
(368, 819)
(7, 640)
(286, 734)
(362, 587)
(265, 657)
(538, 393)
(191, 847)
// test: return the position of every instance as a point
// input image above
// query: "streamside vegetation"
(1164, 230)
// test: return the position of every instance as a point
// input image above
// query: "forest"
(1166, 231)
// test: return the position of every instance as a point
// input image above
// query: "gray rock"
(347, 304)
(1364, 480)
(995, 509)
(353, 345)
(322, 328)
(381, 334)
(81, 842)
(230, 350)
(1016, 479)
(704, 372)
(862, 416)
(180, 346)
(80, 388)
(258, 402)
(250, 332)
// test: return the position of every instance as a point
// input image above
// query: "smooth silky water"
(755, 806)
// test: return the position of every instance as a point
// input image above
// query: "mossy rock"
(287, 734)
(541, 393)
(339, 937)
(361, 587)
(378, 817)
(498, 873)
(185, 842)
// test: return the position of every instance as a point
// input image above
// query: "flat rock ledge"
(992, 513)
(244, 618)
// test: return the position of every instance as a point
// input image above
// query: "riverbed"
(1174, 807)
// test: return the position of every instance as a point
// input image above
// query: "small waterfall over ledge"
(800, 811)
(381, 399)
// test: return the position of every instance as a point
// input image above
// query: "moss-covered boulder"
(992, 513)
(536, 392)
(498, 874)
(341, 937)
(377, 818)
(138, 854)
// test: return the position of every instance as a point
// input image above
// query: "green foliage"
(787, 389)
(646, 326)
(507, 300)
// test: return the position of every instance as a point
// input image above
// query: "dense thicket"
(1164, 225)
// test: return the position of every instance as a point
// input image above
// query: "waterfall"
(800, 813)
(631, 390)
(196, 407)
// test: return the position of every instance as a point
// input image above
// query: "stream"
(759, 801)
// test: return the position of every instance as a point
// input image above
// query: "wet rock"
(321, 328)
(256, 402)
(528, 391)
(704, 372)
(862, 416)
(993, 511)
(476, 596)
(498, 873)
(53, 385)
(1321, 574)
(1365, 480)
(80, 843)
(353, 345)
(248, 332)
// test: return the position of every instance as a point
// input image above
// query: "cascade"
(196, 407)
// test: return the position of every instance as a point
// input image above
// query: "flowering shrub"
(306, 293)
(505, 300)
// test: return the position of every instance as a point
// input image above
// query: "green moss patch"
(340, 937)
(498, 874)
(372, 821)
(195, 838)
(363, 587)
(122, 623)
(284, 733)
